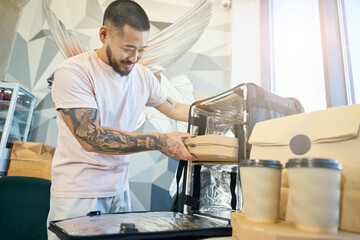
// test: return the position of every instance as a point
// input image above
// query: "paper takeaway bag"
(331, 133)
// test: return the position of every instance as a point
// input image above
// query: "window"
(313, 51)
(349, 19)
(296, 65)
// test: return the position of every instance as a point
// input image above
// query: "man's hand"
(172, 145)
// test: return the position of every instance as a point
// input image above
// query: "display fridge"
(16, 110)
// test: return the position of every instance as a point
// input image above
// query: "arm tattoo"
(167, 146)
(170, 102)
(106, 139)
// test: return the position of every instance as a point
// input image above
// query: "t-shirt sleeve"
(72, 88)
(157, 95)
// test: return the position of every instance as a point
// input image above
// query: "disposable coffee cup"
(260, 183)
(314, 185)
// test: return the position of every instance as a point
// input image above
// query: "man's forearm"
(183, 112)
(84, 125)
(113, 141)
(180, 112)
(174, 110)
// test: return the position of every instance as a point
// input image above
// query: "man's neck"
(102, 55)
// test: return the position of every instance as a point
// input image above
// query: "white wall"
(246, 52)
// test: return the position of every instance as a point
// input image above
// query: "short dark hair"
(126, 12)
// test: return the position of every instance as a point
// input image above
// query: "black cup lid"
(314, 162)
(260, 163)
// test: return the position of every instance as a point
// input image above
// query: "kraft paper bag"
(332, 133)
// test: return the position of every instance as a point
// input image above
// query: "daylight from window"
(296, 53)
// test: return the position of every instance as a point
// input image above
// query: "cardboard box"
(213, 148)
(32, 151)
(281, 230)
(331, 133)
(31, 159)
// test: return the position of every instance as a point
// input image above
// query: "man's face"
(123, 51)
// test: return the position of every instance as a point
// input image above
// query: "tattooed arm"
(84, 125)
(174, 110)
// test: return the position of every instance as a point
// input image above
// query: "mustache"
(127, 62)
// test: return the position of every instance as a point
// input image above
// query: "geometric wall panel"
(48, 52)
(159, 199)
(204, 63)
(46, 103)
(19, 62)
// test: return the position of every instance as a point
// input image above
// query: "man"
(99, 96)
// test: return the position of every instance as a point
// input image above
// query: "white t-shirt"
(85, 81)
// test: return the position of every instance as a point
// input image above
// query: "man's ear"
(103, 33)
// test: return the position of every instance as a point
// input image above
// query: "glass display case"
(16, 109)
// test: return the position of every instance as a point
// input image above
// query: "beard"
(116, 64)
